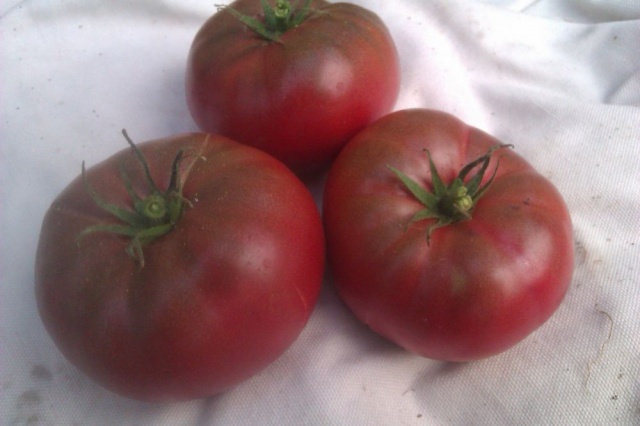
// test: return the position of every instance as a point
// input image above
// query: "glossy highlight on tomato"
(300, 95)
(216, 294)
(451, 289)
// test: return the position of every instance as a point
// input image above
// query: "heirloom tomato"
(443, 240)
(178, 268)
(297, 79)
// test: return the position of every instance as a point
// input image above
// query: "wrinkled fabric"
(558, 79)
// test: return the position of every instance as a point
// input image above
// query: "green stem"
(154, 207)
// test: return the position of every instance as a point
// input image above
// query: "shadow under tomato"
(349, 327)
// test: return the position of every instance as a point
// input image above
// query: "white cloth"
(559, 79)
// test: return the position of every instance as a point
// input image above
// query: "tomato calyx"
(152, 215)
(454, 202)
(275, 20)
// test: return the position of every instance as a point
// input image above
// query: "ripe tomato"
(471, 276)
(301, 94)
(188, 307)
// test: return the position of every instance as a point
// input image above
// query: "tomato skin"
(300, 98)
(220, 296)
(481, 285)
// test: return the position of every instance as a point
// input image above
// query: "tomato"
(185, 304)
(300, 91)
(449, 265)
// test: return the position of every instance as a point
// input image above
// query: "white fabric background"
(559, 79)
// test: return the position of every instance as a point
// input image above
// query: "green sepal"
(276, 20)
(122, 214)
(424, 196)
(451, 203)
(152, 215)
